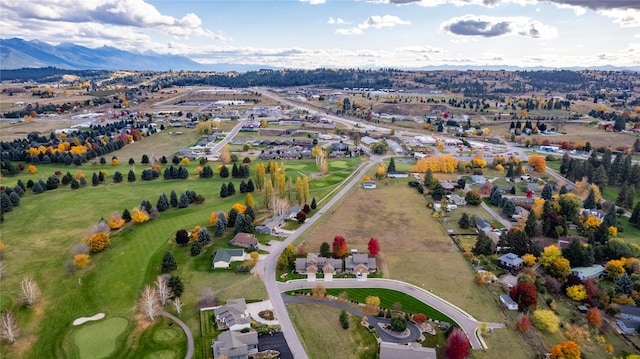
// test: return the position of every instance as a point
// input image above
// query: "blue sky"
(344, 33)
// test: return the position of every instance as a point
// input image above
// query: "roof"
(404, 351)
(511, 259)
(244, 240)
(233, 312)
(589, 272)
(481, 223)
(224, 255)
(506, 299)
(233, 344)
(630, 310)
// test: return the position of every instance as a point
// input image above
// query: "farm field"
(415, 247)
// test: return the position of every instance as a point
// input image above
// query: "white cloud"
(625, 18)
(336, 21)
(314, 2)
(376, 22)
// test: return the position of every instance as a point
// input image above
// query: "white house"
(508, 302)
(233, 315)
(224, 257)
(369, 185)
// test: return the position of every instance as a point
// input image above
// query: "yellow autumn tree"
(248, 200)
(582, 186)
(500, 168)
(478, 162)
(213, 218)
(241, 208)
(549, 254)
(184, 162)
(225, 156)
(597, 195)
(260, 172)
(115, 162)
(116, 221)
(32, 169)
(614, 269)
(97, 242)
(81, 260)
(591, 224)
(139, 215)
(444, 164)
(382, 171)
(537, 207)
(577, 292)
(529, 260)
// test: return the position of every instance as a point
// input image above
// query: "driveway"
(378, 323)
(186, 330)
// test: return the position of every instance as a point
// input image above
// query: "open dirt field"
(414, 245)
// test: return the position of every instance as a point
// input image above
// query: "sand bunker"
(82, 320)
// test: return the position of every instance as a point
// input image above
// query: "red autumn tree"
(525, 295)
(339, 246)
(591, 288)
(374, 246)
(524, 324)
(420, 318)
(593, 317)
(458, 346)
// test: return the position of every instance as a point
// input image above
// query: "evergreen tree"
(168, 263)
(162, 204)
(184, 201)
(588, 256)
(5, 202)
(483, 246)
(606, 159)
(590, 201)
(314, 205)
(546, 193)
(631, 195)
(103, 161)
(14, 198)
(531, 224)
(614, 170)
(224, 172)
(428, 176)
(635, 216)
(145, 159)
(566, 161)
(221, 225)
(146, 205)
(611, 218)
(101, 176)
(574, 253)
(563, 190)
(325, 250)
(250, 186)
(392, 166)
(464, 221)
(496, 195)
(131, 177)
(599, 177)
(231, 221)
(74, 184)
(243, 187)
(517, 242)
(250, 214)
(509, 208)
(224, 192)
(176, 285)
(95, 180)
(601, 234)
(235, 173)
(38, 187)
(204, 236)
(243, 224)
(196, 248)
(131, 161)
(173, 199)
(117, 177)
(126, 215)
(438, 192)
(231, 189)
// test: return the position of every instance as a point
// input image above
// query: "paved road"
(505, 222)
(215, 150)
(465, 320)
(378, 323)
(268, 268)
(187, 332)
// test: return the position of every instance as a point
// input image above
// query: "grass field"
(322, 335)
(99, 340)
(41, 232)
(416, 247)
(388, 298)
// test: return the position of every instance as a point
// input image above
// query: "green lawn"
(388, 298)
(322, 336)
(98, 340)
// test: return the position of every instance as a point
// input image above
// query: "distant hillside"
(17, 53)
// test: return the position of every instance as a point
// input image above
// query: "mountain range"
(17, 53)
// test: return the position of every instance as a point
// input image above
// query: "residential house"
(368, 140)
(235, 345)
(533, 187)
(270, 225)
(563, 242)
(369, 185)
(397, 174)
(595, 271)
(585, 212)
(244, 240)
(292, 212)
(510, 262)
(233, 315)
(222, 258)
(477, 179)
(406, 351)
(494, 237)
(339, 146)
(360, 264)
(483, 225)
(508, 302)
(521, 213)
(448, 185)
(457, 200)
(315, 264)
(628, 319)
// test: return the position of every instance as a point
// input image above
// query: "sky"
(344, 33)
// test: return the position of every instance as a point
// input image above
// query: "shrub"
(545, 320)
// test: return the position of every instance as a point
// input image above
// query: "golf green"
(161, 354)
(99, 340)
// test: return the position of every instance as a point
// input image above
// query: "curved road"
(187, 332)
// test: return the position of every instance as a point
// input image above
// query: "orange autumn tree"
(566, 350)
(538, 163)
(81, 260)
(139, 215)
(339, 246)
(115, 221)
(97, 242)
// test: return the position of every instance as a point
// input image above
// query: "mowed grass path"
(42, 230)
(322, 336)
(415, 246)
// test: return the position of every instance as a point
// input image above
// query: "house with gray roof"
(628, 319)
(233, 315)
(315, 264)
(594, 271)
(235, 345)
(477, 179)
(360, 264)
(483, 225)
(510, 262)
(222, 258)
(270, 225)
(406, 351)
